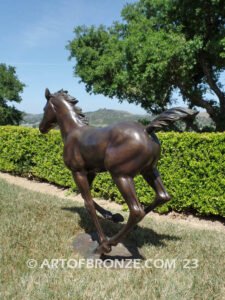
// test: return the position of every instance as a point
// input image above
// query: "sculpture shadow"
(138, 237)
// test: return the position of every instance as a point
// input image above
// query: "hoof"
(114, 217)
(103, 248)
(117, 218)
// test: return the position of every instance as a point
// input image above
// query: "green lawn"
(42, 227)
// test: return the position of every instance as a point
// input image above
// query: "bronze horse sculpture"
(124, 150)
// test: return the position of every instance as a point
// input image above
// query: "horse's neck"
(67, 120)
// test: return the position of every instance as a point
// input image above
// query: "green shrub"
(192, 167)
(24, 151)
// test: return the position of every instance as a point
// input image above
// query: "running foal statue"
(124, 150)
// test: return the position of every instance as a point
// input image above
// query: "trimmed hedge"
(192, 167)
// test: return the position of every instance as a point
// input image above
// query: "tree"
(10, 88)
(161, 46)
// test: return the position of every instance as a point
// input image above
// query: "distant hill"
(31, 120)
(106, 117)
(100, 118)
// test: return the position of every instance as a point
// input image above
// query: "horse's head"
(61, 110)
(49, 120)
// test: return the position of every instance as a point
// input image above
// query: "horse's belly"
(94, 158)
(95, 165)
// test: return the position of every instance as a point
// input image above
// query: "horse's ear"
(47, 94)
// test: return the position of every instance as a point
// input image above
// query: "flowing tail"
(169, 116)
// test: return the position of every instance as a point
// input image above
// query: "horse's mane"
(72, 101)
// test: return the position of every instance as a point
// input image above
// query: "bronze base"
(85, 244)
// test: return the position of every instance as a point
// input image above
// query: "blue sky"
(33, 36)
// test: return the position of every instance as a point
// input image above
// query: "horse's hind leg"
(127, 189)
(105, 213)
(154, 180)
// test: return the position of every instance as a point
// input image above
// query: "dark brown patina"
(124, 150)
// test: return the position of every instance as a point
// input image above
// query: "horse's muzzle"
(42, 129)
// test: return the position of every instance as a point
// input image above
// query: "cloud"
(43, 32)
(52, 25)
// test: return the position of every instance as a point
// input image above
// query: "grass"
(37, 226)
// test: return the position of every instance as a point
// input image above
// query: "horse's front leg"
(127, 189)
(82, 182)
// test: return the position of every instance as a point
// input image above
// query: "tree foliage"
(10, 89)
(161, 46)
